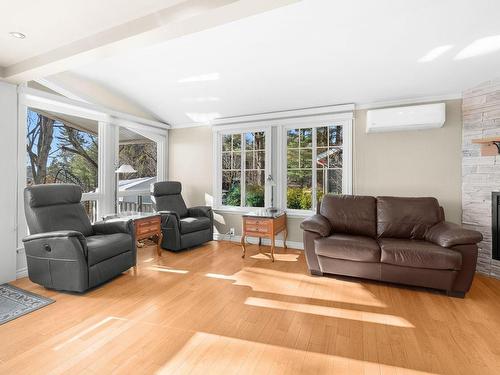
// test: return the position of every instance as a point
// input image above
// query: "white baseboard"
(22, 272)
(21, 268)
(254, 240)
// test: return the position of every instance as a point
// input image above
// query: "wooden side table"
(146, 225)
(264, 224)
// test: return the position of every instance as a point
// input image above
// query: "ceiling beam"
(185, 18)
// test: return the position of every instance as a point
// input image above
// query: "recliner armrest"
(317, 224)
(115, 226)
(67, 243)
(55, 234)
(447, 234)
(169, 218)
(203, 211)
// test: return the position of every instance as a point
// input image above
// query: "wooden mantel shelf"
(490, 146)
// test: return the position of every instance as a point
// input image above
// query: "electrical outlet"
(231, 232)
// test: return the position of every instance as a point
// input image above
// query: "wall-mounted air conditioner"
(415, 117)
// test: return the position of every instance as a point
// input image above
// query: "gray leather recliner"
(182, 227)
(64, 250)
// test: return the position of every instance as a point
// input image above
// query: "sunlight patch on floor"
(299, 285)
(166, 269)
(219, 276)
(331, 312)
(239, 353)
(86, 331)
(277, 257)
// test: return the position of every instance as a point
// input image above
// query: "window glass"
(299, 169)
(243, 159)
(133, 188)
(327, 165)
(61, 149)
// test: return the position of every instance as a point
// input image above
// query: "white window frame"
(108, 123)
(218, 133)
(314, 123)
(276, 151)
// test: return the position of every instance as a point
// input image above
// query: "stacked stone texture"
(480, 174)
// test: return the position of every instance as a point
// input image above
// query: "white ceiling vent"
(415, 117)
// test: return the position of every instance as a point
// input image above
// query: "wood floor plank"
(207, 311)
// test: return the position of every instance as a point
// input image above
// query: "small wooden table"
(264, 223)
(146, 225)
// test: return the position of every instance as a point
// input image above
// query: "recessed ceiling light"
(17, 34)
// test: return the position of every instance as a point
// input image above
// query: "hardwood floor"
(207, 311)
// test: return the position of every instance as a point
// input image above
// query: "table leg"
(260, 241)
(159, 239)
(272, 247)
(243, 245)
(284, 238)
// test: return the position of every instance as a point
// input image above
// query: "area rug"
(15, 302)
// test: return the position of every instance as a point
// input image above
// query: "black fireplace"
(495, 225)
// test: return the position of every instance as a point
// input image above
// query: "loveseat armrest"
(447, 234)
(114, 226)
(317, 224)
(200, 211)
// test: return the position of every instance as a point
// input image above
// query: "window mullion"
(243, 170)
(314, 171)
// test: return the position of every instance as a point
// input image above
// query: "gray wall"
(481, 174)
(417, 163)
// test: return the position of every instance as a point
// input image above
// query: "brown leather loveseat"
(399, 240)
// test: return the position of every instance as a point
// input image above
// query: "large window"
(61, 150)
(134, 189)
(288, 163)
(314, 165)
(243, 169)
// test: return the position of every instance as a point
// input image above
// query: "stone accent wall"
(480, 174)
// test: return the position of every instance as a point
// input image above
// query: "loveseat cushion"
(350, 214)
(194, 224)
(348, 247)
(406, 218)
(105, 246)
(419, 254)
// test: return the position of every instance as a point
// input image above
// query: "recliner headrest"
(52, 194)
(166, 188)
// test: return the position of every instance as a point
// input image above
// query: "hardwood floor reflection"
(208, 311)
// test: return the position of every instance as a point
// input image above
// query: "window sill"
(246, 210)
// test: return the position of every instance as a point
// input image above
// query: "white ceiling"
(50, 24)
(313, 53)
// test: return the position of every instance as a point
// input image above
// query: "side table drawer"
(257, 228)
(147, 227)
(254, 221)
(145, 230)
